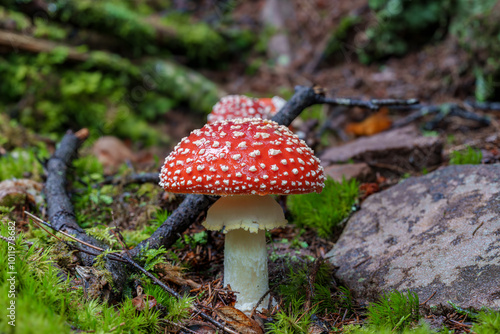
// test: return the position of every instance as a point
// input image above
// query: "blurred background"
(149, 71)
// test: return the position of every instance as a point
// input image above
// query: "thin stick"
(66, 234)
(477, 228)
(424, 302)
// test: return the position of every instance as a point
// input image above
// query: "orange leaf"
(373, 124)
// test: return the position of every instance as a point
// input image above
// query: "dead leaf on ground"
(143, 301)
(171, 273)
(239, 320)
(373, 124)
(111, 152)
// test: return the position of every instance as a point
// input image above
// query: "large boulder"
(438, 233)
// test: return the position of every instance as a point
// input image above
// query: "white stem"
(245, 267)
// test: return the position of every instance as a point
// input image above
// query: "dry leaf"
(373, 124)
(111, 152)
(239, 320)
(142, 301)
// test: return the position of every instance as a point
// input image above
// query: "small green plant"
(324, 211)
(196, 239)
(470, 156)
(295, 321)
(324, 295)
(152, 257)
(22, 163)
(178, 310)
(487, 322)
(395, 310)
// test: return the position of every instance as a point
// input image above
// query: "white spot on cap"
(295, 171)
(283, 161)
(274, 168)
(273, 182)
(262, 135)
(238, 134)
(301, 161)
(199, 179)
(217, 183)
(215, 144)
(189, 170)
(200, 167)
(252, 169)
(263, 186)
(212, 169)
(238, 174)
(284, 182)
(226, 182)
(224, 168)
(202, 151)
(274, 152)
(189, 182)
(254, 153)
(236, 156)
(179, 162)
(262, 165)
(256, 180)
(177, 172)
(243, 144)
(265, 177)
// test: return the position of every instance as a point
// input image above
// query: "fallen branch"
(440, 112)
(60, 210)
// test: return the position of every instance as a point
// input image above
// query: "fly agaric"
(241, 106)
(244, 161)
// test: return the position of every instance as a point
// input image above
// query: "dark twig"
(60, 210)
(430, 297)
(442, 111)
(371, 104)
(477, 228)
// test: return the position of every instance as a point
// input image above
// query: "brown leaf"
(373, 124)
(111, 152)
(142, 301)
(239, 320)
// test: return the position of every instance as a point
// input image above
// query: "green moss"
(325, 296)
(401, 25)
(395, 311)
(470, 156)
(21, 163)
(296, 321)
(487, 322)
(324, 211)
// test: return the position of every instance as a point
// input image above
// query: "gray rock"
(403, 147)
(359, 171)
(436, 233)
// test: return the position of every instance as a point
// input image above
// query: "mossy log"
(141, 34)
(163, 76)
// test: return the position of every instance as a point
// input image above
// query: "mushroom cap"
(241, 106)
(242, 157)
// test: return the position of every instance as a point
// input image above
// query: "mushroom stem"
(245, 219)
(245, 267)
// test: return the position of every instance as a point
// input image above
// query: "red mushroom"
(240, 106)
(244, 160)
